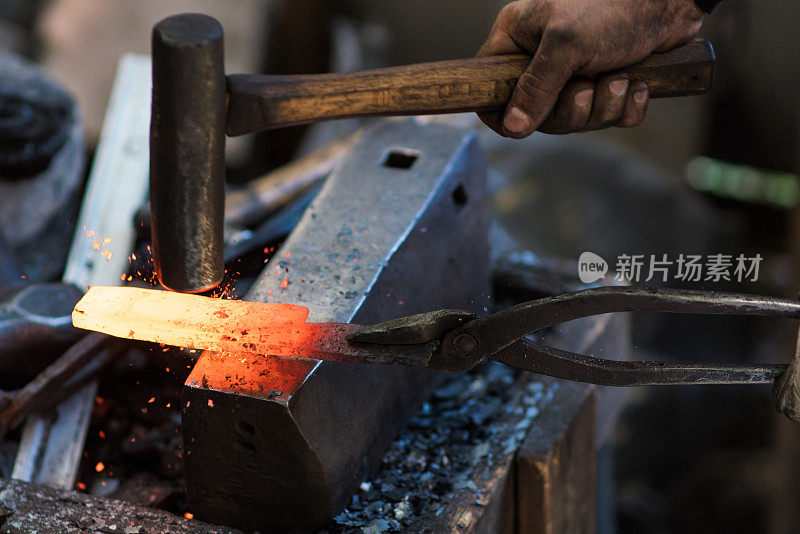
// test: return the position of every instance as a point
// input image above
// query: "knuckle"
(579, 120)
(624, 122)
(637, 120)
(496, 41)
(607, 116)
(529, 86)
(509, 15)
(561, 35)
(569, 43)
(630, 120)
(515, 23)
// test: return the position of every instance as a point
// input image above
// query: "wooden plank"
(555, 467)
(117, 184)
(51, 447)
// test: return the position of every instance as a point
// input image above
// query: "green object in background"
(743, 183)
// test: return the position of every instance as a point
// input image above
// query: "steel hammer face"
(187, 152)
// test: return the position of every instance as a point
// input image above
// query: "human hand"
(584, 38)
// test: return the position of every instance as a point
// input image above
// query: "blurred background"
(703, 175)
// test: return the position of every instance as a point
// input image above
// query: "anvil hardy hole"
(245, 428)
(400, 159)
(460, 196)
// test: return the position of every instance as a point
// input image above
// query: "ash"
(464, 423)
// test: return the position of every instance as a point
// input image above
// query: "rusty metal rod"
(56, 381)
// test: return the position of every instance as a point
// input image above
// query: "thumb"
(537, 90)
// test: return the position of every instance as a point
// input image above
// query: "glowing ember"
(99, 467)
(188, 515)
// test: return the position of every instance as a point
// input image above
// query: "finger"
(609, 101)
(493, 119)
(537, 90)
(501, 41)
(573, 108)
(635, 105)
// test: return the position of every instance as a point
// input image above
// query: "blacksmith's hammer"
(195, 105)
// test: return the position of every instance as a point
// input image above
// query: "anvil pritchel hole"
(400, 158)
(460, 196)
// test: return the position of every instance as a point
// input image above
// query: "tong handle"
(558, 363)
(491, 333)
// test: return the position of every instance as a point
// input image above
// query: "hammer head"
(187, 152)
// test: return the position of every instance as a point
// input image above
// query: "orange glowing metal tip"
(185, 320)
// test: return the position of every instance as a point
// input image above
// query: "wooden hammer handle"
(260, 102)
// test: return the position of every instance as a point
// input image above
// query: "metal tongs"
(462, 340)
(449, 340)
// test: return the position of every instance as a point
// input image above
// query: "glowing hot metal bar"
(228, 326)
